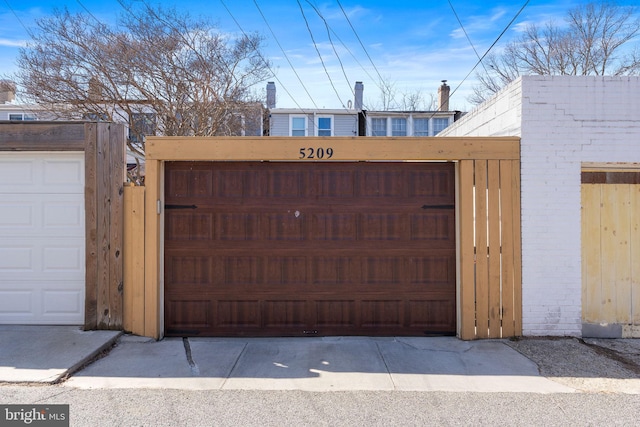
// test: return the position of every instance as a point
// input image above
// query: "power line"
(332, 45)
(18, 18)
(359, 40)
(465, 33)
(285, 55)
(487, 52)
(315, 45)
(261, 57)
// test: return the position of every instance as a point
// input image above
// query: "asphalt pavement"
(111, 360)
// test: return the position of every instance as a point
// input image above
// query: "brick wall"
(562, 121)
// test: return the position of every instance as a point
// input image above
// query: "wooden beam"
(330, 148)
(103, 235)
(91, 227)
(152, 252)
(42, 136)
(117, 178)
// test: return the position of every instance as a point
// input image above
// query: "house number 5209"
(316, 153)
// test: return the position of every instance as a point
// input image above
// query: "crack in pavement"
(195, 371)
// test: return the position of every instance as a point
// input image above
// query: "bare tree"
(156, 69)
(410, 100)
(597, 40)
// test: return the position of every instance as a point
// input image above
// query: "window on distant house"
(420, 127)
(439, 125)
(141, 125)
(399, 127)
(298, 126)
(20, 116)
(324, 126)
(379, 127)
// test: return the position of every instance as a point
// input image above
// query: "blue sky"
(412, 44)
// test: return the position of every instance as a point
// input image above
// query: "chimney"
(271, 95)
(95, 89)
(357, 102)
(7, 91)
(443, 96)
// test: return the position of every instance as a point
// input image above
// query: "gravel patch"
(589, 366)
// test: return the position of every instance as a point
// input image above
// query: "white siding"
(562, 121)
(279, 125)
(343, 124)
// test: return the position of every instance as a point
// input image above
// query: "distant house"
(138, 116)
(357, 121)
(13, 111)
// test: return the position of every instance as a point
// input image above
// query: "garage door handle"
(180, 206)
(438, 206)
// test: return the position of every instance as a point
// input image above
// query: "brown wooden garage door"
(292, 249)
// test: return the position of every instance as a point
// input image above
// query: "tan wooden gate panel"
(133, 292)
(490, 249)
(610, 248)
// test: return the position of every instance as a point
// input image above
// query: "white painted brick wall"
(562, 121)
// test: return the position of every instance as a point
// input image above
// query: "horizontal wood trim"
(611, 177)
(42, 136)
(610, 166)
(343, 148)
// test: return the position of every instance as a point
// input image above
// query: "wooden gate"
(610, 248)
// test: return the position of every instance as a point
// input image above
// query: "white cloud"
(12, 43)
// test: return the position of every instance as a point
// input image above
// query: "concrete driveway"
(107, 359)
(50, 354)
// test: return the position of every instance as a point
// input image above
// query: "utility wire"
(18, 18)
(359, 40)
(466, 35)
(315, 45)
(487, 52)
(333, 46)
(261, 57)
(285, 55)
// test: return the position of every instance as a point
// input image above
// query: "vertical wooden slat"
(495, 306)
(609, 243)
(116, 217)
(152, 250)
(507, 213)
(467, 259)
(482, 261)
(517, 246)
(91, 226)
(635, 253)
(133, 258)
(103, 233)
(591, 240)
(623, 254)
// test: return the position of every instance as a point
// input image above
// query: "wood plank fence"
(490, 249)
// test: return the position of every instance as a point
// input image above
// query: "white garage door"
(42, 238)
